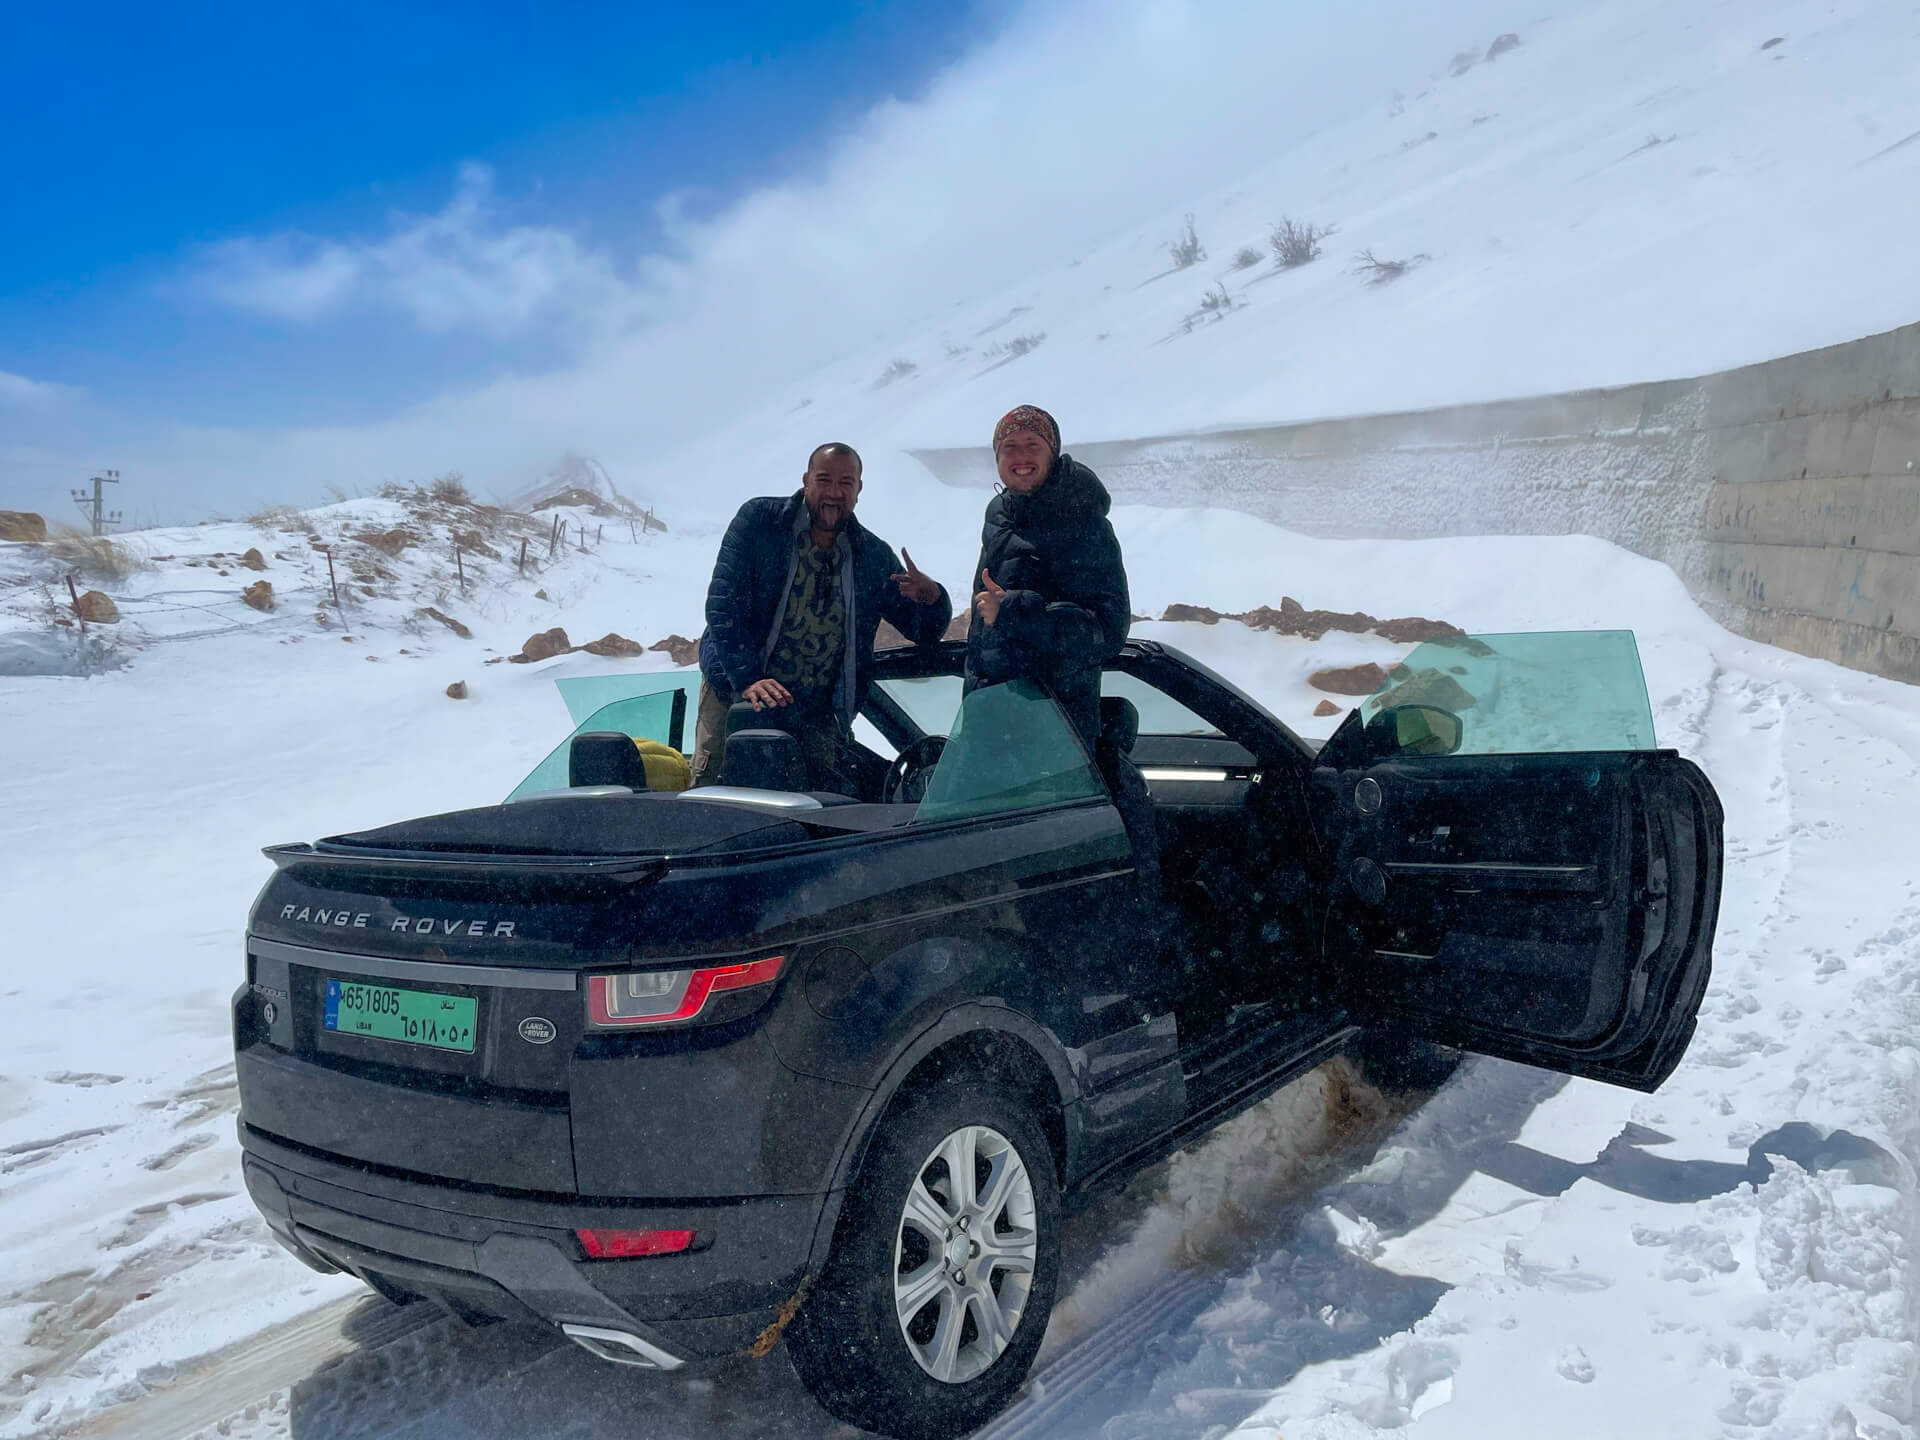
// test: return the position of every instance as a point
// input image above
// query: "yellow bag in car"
(666, 767)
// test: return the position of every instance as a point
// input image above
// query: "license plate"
(413, 1017)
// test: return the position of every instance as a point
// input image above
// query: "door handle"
(1368, 880)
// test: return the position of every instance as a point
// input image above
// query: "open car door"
(1515, 869)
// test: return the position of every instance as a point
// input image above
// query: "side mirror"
(1414, 730)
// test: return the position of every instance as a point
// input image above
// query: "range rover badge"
(537, 1030)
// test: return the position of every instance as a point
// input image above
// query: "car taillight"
(633, 1244)
(669, 997)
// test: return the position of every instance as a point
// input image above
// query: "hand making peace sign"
(914, 586)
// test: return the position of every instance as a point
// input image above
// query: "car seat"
(743, 719)
(612, 757)
(764, 760)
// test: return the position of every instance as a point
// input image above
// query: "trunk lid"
(448, 955)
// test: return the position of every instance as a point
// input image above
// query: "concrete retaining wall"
(1786, 494)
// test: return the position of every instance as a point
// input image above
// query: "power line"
(94, 506)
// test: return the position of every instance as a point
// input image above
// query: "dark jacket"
(748, 594)
(1066, 612)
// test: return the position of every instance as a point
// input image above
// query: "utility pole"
(93, 506)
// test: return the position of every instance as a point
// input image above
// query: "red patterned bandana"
(1028, 417)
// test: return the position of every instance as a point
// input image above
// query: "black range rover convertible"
(686, 1072)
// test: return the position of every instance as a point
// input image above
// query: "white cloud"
(459, 270)
(1078, 121)
(18, 390)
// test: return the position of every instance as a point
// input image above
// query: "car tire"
(1395, 1063)
(889, 1339)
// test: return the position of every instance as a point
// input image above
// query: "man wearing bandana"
(1050, 602)
(798, 591)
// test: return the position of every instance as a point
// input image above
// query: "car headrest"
(763, 760)
(605, 757)
(742, 716)
(1119, 723)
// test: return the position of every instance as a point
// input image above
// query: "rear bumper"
(481, 1254)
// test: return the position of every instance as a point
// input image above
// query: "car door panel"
(1501, 866)
(1553, 909)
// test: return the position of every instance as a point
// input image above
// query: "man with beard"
(798, 591)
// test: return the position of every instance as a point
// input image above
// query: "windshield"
(1011, 749)
(932, 702)
(1554, 691)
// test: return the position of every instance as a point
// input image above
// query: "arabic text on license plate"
(413, 1017)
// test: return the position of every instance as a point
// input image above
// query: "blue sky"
(145, 137)
(252, 253)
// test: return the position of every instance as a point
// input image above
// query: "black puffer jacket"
(1066, 612)
(751, 577)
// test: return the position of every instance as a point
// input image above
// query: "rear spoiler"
(586, 871)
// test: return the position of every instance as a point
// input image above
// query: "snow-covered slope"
(1636, 190)
(1580, 1228)
(1639, 190)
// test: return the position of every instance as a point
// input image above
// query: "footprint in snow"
(1574, 1365)
(143, 1220)
(29, 1153)
(169, 1158)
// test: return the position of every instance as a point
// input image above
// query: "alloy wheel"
(964, 1254)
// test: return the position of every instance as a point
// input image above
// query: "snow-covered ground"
(1639, 189)
(1730, 1255)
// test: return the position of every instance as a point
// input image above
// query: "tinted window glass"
(585, 694)
(932, 702)
(1011, 749)
(1529, 694)
(645, 717)
(1160, 713)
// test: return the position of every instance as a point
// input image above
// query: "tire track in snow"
(359, 1367)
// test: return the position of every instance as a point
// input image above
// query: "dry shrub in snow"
(451, 489)
(1295, 245)
(1187, 250)
(1380, 272)
(896, 370)
(1216, 302)
(280, 517)
(1015, 347)
(1245, 258)
(88, 554)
